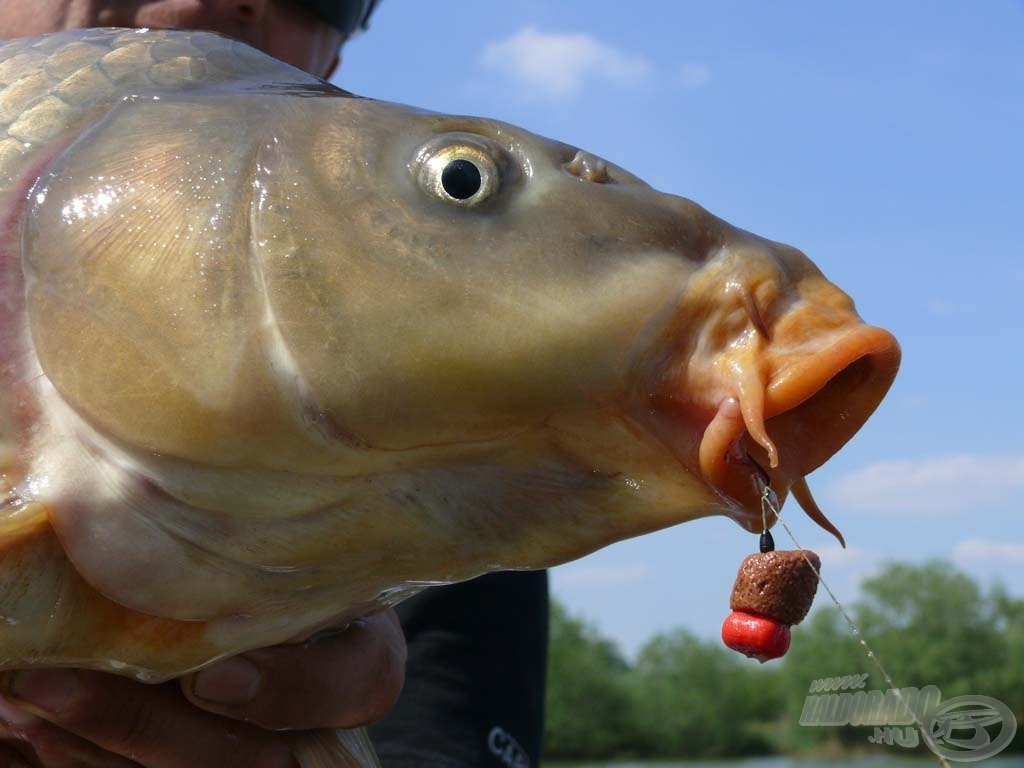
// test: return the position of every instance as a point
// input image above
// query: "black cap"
(347, 16)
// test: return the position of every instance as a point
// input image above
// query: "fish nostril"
(587, 167)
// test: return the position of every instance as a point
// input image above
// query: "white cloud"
(985, 552)
(695, 75)
(594, 576)
(554, 65)
(938, 485)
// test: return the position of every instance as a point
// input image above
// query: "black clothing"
(474, 690)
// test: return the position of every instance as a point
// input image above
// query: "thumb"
(341, 681)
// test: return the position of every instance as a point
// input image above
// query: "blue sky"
(884, 139)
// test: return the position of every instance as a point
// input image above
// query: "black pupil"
(461, 179)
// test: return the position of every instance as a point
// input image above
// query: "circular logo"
(956, 730)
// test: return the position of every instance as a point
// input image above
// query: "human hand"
(226, 714)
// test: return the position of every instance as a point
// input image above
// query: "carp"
(273, 356)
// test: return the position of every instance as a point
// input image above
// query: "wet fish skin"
(261, 376)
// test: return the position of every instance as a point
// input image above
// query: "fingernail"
(232, 681)
(48, 689)
(15, 715)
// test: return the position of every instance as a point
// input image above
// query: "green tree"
(695, 698)
(822, 647)
(1003, 678)
(588, 709)
(930, 625)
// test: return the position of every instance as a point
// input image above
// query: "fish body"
(273, 356)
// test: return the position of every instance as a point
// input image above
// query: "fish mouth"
(809, 410)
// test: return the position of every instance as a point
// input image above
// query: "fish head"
(487, 283)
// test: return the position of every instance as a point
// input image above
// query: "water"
(881, 761)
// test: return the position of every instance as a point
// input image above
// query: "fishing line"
(770, 500)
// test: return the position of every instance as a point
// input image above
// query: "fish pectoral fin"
(149, 551)
(346, 748)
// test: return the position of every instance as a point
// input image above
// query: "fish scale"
(264, 370)
(59, 82)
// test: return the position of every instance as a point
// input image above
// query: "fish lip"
(806, 378)
(812, 408)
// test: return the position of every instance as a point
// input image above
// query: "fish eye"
(459, 172)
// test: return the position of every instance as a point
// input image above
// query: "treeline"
(687, 697)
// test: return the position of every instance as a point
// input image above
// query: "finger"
(15, 750)
(341, 681)
(152, 725)
(14, 753)
(10, 757)
(32, 741)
